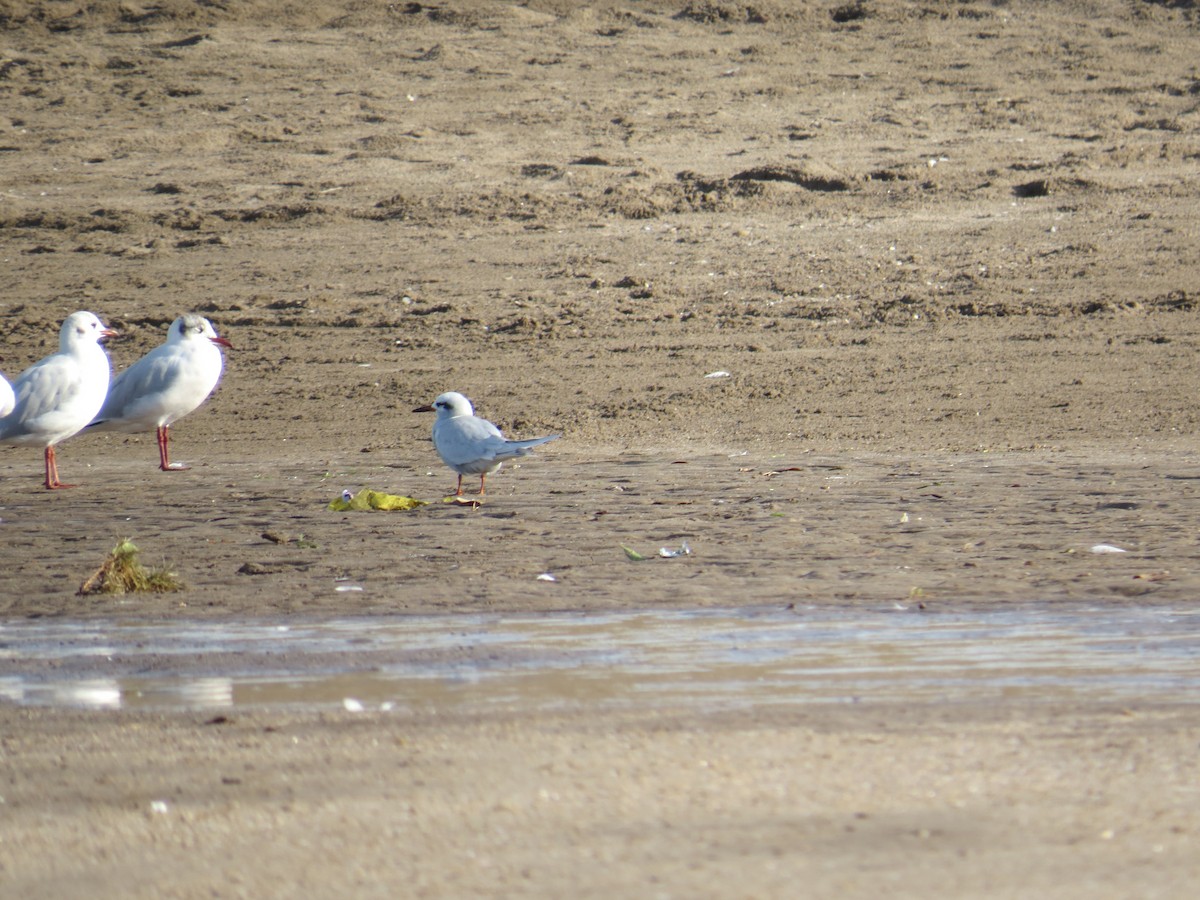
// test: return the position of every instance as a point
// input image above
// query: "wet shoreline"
(700, 659)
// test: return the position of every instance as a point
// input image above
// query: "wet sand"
(949, 531)
(895, 799)
(944, 256)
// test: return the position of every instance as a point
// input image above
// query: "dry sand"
(945, 253)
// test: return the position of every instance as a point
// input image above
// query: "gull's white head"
(191, 327)
(82, 328)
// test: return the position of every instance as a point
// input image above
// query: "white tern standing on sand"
(470, 445)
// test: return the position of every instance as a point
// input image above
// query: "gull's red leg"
(164, 455)
(52, 482)
(164, 452)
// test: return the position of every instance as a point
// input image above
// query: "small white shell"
(668, 553)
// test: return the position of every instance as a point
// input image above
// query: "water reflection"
(96, 693)
(703, 659)
(197, 692)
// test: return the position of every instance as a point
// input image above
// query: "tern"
(470, 445)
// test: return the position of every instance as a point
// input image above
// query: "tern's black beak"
(425, 408)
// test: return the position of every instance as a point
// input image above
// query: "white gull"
(166, 384)
(57, 396)
(7, 400)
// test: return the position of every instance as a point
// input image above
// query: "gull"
(166, 384)
(7, 400)
(470, 445)
(57, 396)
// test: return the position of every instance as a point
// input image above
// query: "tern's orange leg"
(482, 479)
(458, 493)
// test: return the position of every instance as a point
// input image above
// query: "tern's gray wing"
(521, 448)
(466, 439)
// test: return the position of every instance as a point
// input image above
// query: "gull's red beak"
(220, 341)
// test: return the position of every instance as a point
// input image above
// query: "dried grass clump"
(121, 573)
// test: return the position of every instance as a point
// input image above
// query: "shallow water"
(700, 659)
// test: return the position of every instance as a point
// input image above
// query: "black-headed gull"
(470, 445)
(7, 400)
(57, 396)
(166, 384)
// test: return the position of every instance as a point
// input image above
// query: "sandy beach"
(874, 305)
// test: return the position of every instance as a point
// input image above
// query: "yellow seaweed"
(367, 499)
